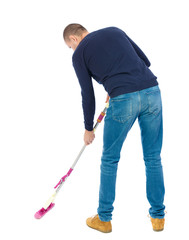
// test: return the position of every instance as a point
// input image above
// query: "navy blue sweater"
(114, 60)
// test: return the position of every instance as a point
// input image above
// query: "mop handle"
(101, 116)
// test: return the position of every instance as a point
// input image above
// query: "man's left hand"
(89, 137)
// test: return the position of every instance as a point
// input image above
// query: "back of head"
(73, 29)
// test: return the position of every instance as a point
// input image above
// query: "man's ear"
(73, 38)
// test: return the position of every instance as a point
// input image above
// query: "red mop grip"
(64, 177)
(100, 117)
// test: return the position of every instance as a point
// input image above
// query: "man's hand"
(88, 137)
(107, 98)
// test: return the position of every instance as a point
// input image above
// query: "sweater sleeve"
(87, 93)
(139, 52)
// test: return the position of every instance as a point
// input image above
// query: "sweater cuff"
(88, 127)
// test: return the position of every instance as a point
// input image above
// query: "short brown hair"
(73, 29)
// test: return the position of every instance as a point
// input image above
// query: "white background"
(41, 120)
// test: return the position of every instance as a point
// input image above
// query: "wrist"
(88, 130)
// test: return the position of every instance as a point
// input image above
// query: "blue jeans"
(123, 110)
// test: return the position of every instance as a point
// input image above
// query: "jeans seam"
(139, 99)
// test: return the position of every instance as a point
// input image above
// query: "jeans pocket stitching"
(155, 113)
(125, 117)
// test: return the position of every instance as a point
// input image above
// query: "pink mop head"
(49, 204)
(43, 211)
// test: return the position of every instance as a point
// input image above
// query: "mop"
(50, 203)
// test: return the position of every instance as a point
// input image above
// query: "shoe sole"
(160, 230)
(99, 230)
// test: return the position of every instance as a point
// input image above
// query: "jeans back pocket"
(154, 102)
(121, 109)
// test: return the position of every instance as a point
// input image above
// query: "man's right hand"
(107, 99)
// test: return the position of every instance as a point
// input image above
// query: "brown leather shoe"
(157, 224)
(96, 223)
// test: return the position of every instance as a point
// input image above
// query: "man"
(114, 60)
